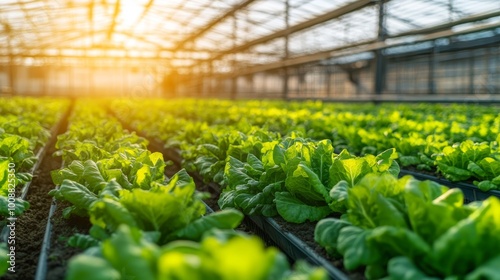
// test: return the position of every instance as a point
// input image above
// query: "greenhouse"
(250, 139)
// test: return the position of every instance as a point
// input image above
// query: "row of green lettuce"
(147, 226)
(25, 127)
(459, 142)
(400, 229)
(409, 229)
(264, 174)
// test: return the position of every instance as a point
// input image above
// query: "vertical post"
(379, 54)
(234, 81)
(471, 72)
(45, 77)
(285, 83)
(209, 90)
(450, 10)
(328, 73)
(287, 51)
(12, 73)
(489, 69)
(432, 69)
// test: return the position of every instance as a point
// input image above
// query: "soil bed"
(30, 227)
(60, 252)
(305, 232)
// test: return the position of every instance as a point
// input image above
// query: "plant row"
(145, 225)
(25, 128)
(459, 142)
(386, 225)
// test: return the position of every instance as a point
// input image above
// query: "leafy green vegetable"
(128, 254)
(225, 219)
(412, 229)
(454, 160)
(294, 210)
(4, 258)
(251, 186)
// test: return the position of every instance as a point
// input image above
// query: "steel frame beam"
(351, 7)
(357, 48)
(213, 23)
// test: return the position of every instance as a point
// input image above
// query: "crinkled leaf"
(339, 197)
(327, 232)
(83, 267)
(225, 219)
(294, 210)
(77, 194)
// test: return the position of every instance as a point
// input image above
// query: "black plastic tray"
(471, 192)
(294, 247)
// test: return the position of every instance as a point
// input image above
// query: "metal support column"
(287, 51)
(328, 81)
(490, 69)
(12, 74)
(12, 70)
(234, 81)
(379, 54)
(471, 72)
(432, 69)
(210, 78)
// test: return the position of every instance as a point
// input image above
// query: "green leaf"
(74, 171)
(77, 194)
(327, 232)
(353, 245)
(375, 201)
(4, 258)
(402, 268)
(294, 210)
(471, 242)
(143, 177)
(348, 169)
(93, 177)
(235, 173)
(278, 156)
(20, 206)
(432, 208)
(110, 214)
(486, 186)
(225, 219)
(394, 241)
(305, 184)
(409, 160)
(111, 190)
(83, 267)
(82, 241)
(488, 270)
(476, 170)
(321, 160)
(339, 197)
(385, 160)
(453, 173)
(130, 255)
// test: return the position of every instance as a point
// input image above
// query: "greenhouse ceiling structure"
(275, 48)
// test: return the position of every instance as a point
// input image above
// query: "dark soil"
(30, 227)
(305, 232)
(210, 189)
(62, 229)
